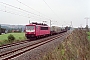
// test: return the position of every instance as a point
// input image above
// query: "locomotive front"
(30, 31)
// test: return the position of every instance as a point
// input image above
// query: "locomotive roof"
(35, 25)
(41, 24)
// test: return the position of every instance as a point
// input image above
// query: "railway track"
(16, 52)
(18, 45)
(13, 44)
(21, 50)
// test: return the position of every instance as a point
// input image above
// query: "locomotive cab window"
(44, 28)
(30, 28)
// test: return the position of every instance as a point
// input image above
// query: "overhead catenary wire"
(18, 8)
(32, 9)
(23, 15)
(19, 14)
(13, 13)
(39, 16)
(22, 10)
(7, 11)
(50, 8)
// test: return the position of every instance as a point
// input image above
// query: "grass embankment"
(18, 37)
(88, 35)
(74, 47)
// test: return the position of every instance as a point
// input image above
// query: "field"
(18, 36)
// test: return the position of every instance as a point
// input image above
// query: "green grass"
(18, 36)
(88, 35)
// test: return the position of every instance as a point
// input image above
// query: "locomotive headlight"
(32, 33)
(30, 30)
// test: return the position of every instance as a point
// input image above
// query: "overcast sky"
(60, 12)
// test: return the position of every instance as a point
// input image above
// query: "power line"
(12, 13)
(27, 6)
(50, 8)
(18, 8)
(18, 14)
(21, 9)
(47, 5)
(6, 8)
(30, 7)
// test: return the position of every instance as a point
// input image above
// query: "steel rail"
(24, 49)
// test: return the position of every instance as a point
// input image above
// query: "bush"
(11, 37)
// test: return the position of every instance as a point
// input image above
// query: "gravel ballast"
(39, 52)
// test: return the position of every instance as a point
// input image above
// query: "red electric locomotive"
(35, 30)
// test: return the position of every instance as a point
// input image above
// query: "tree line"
(3, 30)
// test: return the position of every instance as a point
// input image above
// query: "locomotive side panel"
(44, 30)
(37, 31)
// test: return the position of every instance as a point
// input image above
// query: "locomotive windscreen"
(30, 28)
